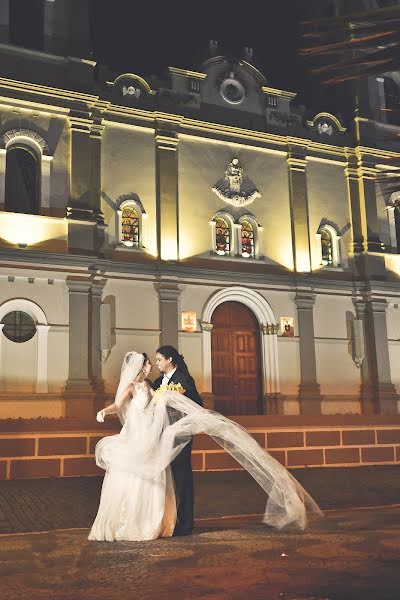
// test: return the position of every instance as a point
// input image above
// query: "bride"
(138, 499)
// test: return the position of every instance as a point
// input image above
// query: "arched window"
(326, 248)
(130, 227)
(130, 222)
(22, 180)
(392, 101)
(222, 236)
(247, 239)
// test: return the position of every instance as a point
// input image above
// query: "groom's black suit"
(182, 465)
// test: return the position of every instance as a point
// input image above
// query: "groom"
(173, 370)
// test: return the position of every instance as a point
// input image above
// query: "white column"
(118, 226)
(41, 377)
(236, 249)
(45, 185)
(392, 227)
(207, 371)
(269, 346)
(3, 158)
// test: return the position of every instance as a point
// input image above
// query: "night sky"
(147, 37)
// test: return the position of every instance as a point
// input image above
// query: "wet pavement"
(352, 553)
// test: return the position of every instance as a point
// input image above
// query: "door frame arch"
(268, 334)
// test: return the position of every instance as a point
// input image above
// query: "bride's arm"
(115, 406)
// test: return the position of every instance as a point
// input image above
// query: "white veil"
(147, 453)
(131, 365)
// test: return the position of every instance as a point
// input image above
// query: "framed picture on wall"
(287, 327)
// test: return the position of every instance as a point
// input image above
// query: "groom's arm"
(191, 392)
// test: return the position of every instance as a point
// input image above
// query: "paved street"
(353, 553)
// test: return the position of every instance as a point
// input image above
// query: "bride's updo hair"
(177, 359)
(145, 358)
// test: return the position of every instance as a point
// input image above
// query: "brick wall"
(48, 451)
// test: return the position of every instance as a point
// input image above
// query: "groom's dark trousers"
(182, 465)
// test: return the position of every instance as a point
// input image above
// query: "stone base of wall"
(65, 447)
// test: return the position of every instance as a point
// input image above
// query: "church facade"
(208, 211)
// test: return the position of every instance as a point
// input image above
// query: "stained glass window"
(222, 236)
(247, 239)
(326, 247)
(130, 227)
(18, 326)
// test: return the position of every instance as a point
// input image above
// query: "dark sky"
(146, 37)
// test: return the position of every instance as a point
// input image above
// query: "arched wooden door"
(235, 360)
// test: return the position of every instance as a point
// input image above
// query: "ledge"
(249, 422)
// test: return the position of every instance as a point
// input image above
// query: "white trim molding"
(268, 334)
(42, 328)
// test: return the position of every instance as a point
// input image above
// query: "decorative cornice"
(270, 329)
(187, 73)
(280, 93)
(206, 326)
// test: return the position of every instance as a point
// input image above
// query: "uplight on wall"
(287, 327)
(189, 321)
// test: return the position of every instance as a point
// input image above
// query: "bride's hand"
(100, 416)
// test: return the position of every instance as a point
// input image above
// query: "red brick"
(279, 456)
(26, 469)
(204, 442)
(62, 445)
(197, 461)
(285, 439)
(337, 456)
(377, 454)
(77, 467)
(301, 458)
(260, 438)
(360, 437)
(388, 436)
(221, 461)
(323, 438)
(92, 443)
(17, 447)
(3, 469)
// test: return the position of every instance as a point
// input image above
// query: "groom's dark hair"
(177, 359)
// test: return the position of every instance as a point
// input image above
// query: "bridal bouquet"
(169, 387)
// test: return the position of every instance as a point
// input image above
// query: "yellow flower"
(170, 387)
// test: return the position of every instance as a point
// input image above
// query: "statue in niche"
(234, 188)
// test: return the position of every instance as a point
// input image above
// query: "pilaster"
(309, 390)
(297, 164)
(167, 191)
(78, 389)
(169, 296)
(85, 227)
(96, 293)
(377, 393)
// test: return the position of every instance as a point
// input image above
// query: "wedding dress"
(138, 501)
(134, 506)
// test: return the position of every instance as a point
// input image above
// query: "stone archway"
(42, 330)
(269, 335)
